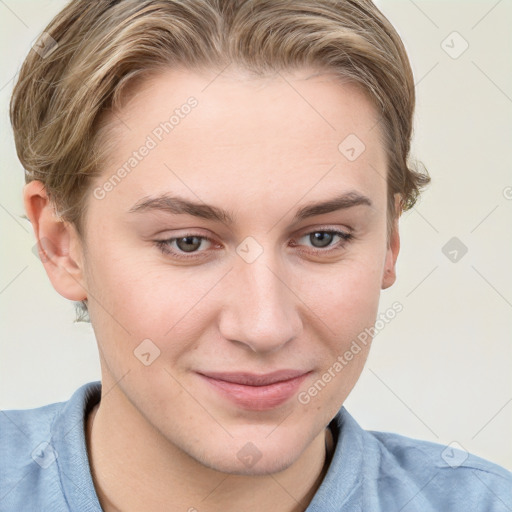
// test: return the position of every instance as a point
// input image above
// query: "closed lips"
(256, 392)
(253, 379)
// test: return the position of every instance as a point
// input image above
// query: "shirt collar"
(68, 438)
(344, 479)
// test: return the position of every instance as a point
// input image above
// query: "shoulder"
(33, 444)
(373, 470)
(22, 434)
(26, 453)
(19, 428)
(444, 475)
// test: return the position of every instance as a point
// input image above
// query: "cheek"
(345, 296)
(140, 297)
(347, 303)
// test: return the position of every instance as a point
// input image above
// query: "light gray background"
(441, 370)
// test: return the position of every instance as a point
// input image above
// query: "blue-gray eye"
(321, 238)
(189, 243)
(324, 238)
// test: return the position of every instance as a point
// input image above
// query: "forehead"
(211, 134)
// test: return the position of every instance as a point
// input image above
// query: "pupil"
(189, 245)
(322, 237)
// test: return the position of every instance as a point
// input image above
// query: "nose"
(259, 308)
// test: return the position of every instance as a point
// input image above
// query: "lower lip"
(257, 398)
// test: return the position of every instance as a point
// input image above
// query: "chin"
(248, 458)
(270, 464)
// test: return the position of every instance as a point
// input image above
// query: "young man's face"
(187, 327)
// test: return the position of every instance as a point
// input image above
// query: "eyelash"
(163, 245)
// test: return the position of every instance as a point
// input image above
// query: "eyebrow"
(179, 205)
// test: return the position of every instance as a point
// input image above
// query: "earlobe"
(59, 245)
(389, 274)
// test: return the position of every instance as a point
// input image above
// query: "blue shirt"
(44, 467)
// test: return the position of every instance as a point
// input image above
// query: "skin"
(162, 438)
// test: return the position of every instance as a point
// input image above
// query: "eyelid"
(341, 229)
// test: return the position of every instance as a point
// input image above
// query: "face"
(235, 260)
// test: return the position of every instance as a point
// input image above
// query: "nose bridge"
(261, 312)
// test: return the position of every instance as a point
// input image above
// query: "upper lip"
(254, 379)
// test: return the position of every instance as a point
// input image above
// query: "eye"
(189, 243)
(192, 245)
(324, 238)
(182, 245)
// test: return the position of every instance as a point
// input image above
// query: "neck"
(155, 475)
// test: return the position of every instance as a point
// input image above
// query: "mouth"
(256, 392)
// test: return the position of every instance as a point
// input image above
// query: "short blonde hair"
(97, 47)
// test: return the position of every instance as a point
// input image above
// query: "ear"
(60, 248)
(389, 274)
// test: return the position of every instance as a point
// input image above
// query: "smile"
(256, 392)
